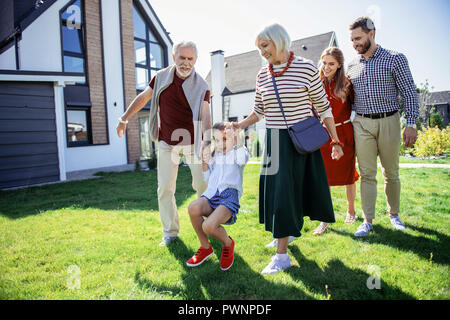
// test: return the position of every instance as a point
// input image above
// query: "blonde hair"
(342, 87)
(277, 34)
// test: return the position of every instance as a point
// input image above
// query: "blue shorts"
(228, 198)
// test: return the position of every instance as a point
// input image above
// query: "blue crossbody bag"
(307, 135)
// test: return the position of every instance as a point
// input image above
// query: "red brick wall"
(94, 60)
(133, 140)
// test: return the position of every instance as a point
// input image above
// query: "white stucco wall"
(8, 59)
(40, 47)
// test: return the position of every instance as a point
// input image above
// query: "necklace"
(278, 74)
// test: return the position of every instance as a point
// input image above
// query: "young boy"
(219, 204)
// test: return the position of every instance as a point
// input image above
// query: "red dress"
(340, 172)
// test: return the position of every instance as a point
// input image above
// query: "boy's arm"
(242, 155)
(206, 157)
(206, 171)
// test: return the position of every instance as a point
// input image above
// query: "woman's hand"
(336, 152)
(235, 126)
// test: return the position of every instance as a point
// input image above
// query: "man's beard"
(365, 47)
(182, 73)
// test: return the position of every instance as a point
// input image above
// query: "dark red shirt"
(175, 112)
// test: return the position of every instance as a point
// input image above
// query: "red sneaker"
(227, 256)
(201, 255)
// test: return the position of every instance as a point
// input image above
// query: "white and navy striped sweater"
(298, 87)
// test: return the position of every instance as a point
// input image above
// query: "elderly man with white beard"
(180, 97)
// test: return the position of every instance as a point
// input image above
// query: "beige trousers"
(168, 161)
(381, 137)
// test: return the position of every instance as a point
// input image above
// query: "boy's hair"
(220, 126)
(365, 23)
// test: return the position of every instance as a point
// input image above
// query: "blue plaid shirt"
(378, 82)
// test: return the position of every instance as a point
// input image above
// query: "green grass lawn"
(403, 159)
(98, 239)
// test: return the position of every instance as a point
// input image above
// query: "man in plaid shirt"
(383, 84)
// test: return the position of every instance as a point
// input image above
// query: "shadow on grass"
(420, 245)
(241, 282)
(113, 191)
(343, 282)
(209, 282)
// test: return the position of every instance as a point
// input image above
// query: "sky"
(418, 29)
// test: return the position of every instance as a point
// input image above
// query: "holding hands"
(336, 152)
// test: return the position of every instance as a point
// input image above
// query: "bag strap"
(279, 100)
(281, 106)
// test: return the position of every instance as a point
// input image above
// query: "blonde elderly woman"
(291, 185)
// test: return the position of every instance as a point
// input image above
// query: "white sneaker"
(167, 240)
(364, 229)
(397, 223)
(277, 264)
(274, 243)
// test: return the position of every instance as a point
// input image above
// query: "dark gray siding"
(28, 143)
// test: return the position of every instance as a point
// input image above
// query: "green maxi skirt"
(291, 186)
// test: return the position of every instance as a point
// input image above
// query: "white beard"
(184, 74)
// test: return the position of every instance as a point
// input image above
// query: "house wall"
(129, 81)
(110, 74)
(94, 70)
(241, 105)
(129, 77)
(8, 59)
(114, 153)
(40, 48)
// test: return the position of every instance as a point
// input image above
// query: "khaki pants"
(381, 137)
(168, 161)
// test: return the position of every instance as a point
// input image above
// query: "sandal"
(320, 229)
(350, 219)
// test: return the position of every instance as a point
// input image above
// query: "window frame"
(81, 37)
(149, 27)
(87, 111)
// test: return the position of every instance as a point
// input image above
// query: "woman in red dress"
(339, 89)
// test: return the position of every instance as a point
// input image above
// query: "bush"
(137, 165)
(432, 142)
(419, 124)
(152, 162)
(256, 148)
(436, 120)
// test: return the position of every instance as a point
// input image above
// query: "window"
(143, 131)
(78, 129)
(148, 148)
(78, 119)
(149, 54)
(72, 37)
(149, 57)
